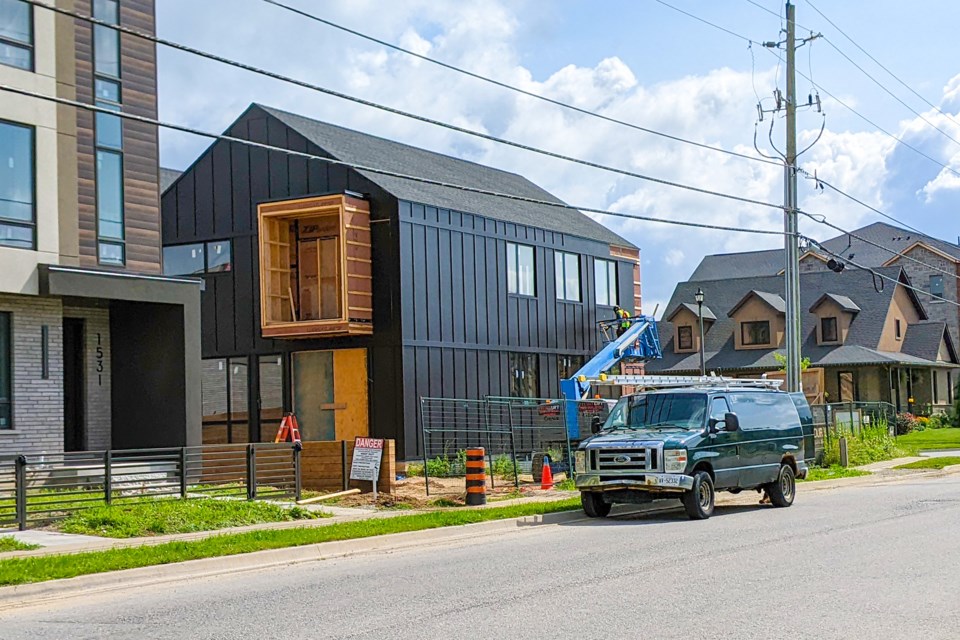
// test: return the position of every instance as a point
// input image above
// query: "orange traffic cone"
(547, 482)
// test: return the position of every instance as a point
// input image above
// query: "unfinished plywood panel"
(315, 257)
(350, 392)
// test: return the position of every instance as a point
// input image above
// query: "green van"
(690, 443)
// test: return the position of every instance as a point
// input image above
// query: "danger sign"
(367, 453)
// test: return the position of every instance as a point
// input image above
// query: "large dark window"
(524, 381)
(828, 330)
(271, 396)
(755, 333)
(936, 285)
(17, 222)
(520, 270)
(568, 276)
(197, 258)
(16, 34)
(567, 366)
(111, 232)
(6, 373)
(605, 278)
(685, 337)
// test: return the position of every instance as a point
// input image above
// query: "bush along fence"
(517, 435)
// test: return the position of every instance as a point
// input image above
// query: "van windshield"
(656, 411)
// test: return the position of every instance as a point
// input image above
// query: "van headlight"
(580, 461)
(675, 460)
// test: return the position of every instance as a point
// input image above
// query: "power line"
(384, 172)
(406, 114)
(821, 219)
(839, 191)
(889, 92)
(881, 65)
(877, 274)
(698, 19)
(510, 87)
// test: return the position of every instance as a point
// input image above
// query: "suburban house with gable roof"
(346, 295)
(874, 343)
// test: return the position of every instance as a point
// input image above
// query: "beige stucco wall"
(755, 310)
(901, 308)
(684, 317)
(830, 309)
(18, 267)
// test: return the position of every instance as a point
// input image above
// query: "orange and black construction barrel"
(476, 478)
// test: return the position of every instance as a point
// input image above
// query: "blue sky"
(635, 60)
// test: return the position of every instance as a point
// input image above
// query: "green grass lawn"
(173, 515)
(41, 568)
(9, 543)
(930, 439)
(816, 474)
(931, 463)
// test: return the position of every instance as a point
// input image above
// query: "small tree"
(782, 361)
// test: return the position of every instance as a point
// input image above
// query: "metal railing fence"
(39, 488)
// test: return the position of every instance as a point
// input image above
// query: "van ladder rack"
(663, 382)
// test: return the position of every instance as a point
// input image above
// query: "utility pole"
(791, 240)
(790, 224)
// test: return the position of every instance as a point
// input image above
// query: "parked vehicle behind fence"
(690, 443)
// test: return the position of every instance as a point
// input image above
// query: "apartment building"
(97, 348)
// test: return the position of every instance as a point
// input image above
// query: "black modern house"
(346, 295)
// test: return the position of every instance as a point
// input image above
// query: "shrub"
(906, 422)
(503, 467)
(939, 421)
(871, 444)
(414, 469)
(439, 466)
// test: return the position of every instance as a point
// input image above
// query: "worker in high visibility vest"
(624, 319)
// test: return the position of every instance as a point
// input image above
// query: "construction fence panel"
(517, 435)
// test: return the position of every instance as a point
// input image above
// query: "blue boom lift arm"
(640, 342)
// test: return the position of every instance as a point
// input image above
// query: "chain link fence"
(517, 434)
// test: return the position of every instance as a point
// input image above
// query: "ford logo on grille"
(622, 459)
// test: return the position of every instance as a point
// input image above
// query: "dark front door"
(74, 429)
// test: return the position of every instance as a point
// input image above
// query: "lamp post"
(699, 297)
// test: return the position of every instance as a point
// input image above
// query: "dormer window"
(685, 338)
(898, 329)
(828, 330)
(756, 333)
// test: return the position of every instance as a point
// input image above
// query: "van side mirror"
(731, 422)
(595, 424)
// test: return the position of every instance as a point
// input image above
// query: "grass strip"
(816, 474)
(930, 439)
(9, 543)
(41, 568)
(931, 463)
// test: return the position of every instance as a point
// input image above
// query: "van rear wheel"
(594, 505)
(784, 489)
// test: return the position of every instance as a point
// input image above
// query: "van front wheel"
(698, 502)
(594, 505)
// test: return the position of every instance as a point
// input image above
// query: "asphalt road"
(858, 562)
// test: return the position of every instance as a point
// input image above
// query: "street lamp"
(699, 298)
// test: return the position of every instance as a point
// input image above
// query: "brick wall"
(97, 404)
(37, 402)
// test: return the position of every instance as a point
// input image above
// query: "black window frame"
(523, 363)
(6, 394)
(205, 249)
(824, 322)
(32, 225)
(30, 46)
(680, 334)
(938, 289)
(612, 280)
(513, 283)
(898, 329)
(561, 282)
(568, 365)
(752, 323)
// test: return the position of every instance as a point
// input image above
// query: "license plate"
(663, 481)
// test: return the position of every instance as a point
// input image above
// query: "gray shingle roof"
(772, 300)
(692, 308)
(168, 177)
(360, 148)
(759, 263)
(923, 339)
(860, 347)
(843, 302)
